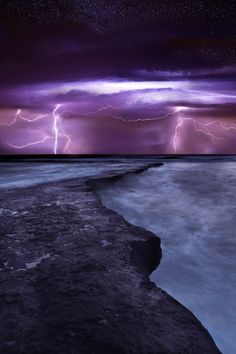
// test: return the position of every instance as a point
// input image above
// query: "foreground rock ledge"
(74, 279)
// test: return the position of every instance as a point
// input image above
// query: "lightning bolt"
(104, 108)
(30, 144)
(55, 127)
(19, 116)
(68, 144)
(57, 132)
(179, 118)
(199, 127)
(180, 122)
(230, 127)
(177, 130)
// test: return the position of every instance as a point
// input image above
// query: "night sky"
(100, 77)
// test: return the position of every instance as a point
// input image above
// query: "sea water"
(191, 206)
(24, 174)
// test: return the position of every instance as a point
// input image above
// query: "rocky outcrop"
(75, 279)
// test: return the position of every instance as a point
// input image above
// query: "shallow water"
(192, 207)
(24, 174)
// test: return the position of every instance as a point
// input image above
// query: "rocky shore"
(75, 278)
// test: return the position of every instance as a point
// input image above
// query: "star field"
(214, 18)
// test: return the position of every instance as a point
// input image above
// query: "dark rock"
(147, 254)
(64, 290)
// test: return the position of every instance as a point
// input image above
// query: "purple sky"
(120, 116)
(155, 78)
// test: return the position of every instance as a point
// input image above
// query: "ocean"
(29, 173)
(191, 206)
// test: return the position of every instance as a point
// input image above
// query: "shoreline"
(79, 277)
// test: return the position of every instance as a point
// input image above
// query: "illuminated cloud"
(119, 116)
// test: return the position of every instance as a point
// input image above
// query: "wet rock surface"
(74, 279)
